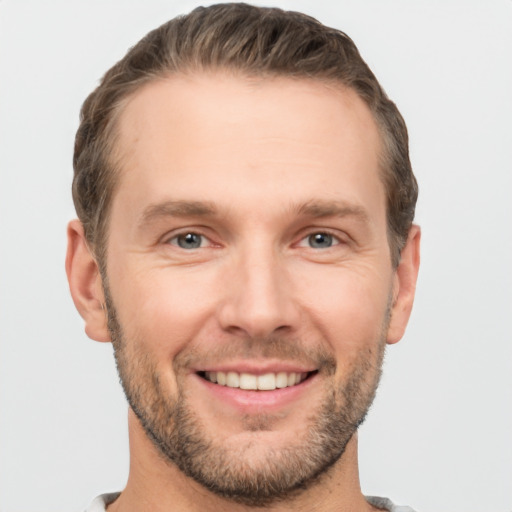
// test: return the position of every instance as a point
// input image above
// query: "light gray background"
(439, 435)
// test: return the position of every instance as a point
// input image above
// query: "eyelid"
(168, 238)
(313, 231)
(173, 235)
(174, 240)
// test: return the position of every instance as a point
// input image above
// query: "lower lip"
(258, 401)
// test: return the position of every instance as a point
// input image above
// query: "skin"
(275, 160)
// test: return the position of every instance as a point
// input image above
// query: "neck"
(159, 486)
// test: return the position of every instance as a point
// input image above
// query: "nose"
(258, 296)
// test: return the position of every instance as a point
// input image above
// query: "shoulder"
(100, 503)
(387, 505)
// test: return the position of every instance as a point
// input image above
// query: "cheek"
(163, 310)
(348, 308)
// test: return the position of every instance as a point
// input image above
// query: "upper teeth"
(267, 382)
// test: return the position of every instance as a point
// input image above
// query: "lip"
(256, 367)
(252, 401)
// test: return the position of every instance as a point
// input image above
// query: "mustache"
(295, 350)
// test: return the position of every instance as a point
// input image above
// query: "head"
(250, 41)
(246, 202)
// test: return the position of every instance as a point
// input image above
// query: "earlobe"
(404, 286)
(85, 283)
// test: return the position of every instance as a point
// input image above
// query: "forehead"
(219, 136)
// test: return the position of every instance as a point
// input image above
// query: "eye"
(188, 240)
(319, 240)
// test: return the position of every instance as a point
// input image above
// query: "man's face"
(248, 249)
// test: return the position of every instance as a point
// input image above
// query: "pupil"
(320, 240)
(189, 241)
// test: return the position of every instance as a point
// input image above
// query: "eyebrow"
(313, 208)
(320, 209)
(177, 209)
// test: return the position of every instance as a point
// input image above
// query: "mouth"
(252, 382)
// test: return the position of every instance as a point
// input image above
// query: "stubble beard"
(184, 441)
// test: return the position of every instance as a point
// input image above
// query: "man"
(245, 241)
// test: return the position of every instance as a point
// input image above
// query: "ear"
(85, 283)
(404, 285)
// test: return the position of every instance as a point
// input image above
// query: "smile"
(248, 381)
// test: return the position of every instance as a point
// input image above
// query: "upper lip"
(257, 367)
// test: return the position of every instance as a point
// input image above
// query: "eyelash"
(184, 234)
(335, 239)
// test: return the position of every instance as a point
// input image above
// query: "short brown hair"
(253, 41)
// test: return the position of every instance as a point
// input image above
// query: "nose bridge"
(259, 297)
